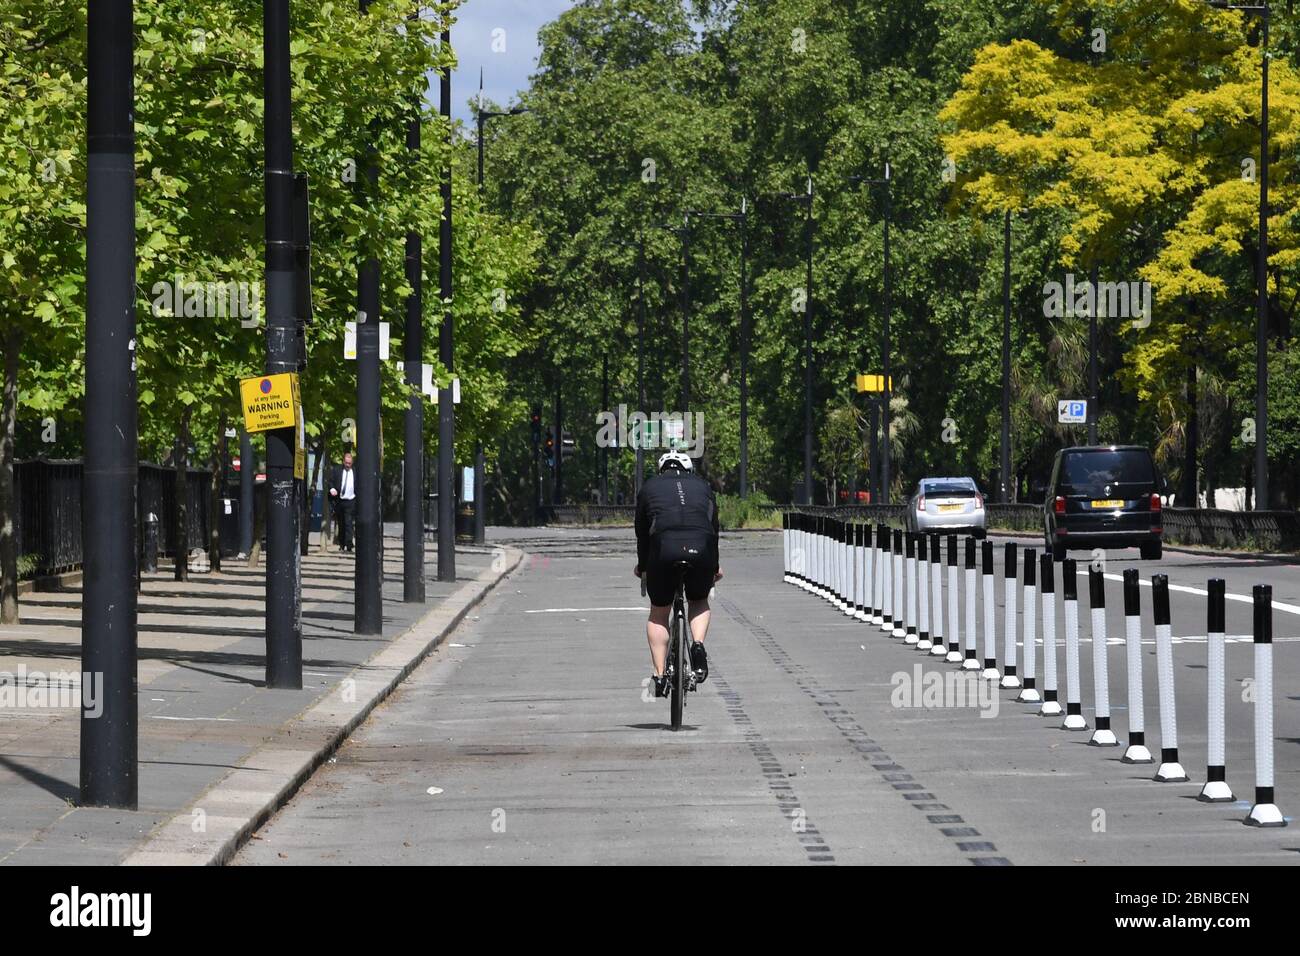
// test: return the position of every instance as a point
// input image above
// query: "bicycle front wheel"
(676, 650)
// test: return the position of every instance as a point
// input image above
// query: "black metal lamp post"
(810, 227)
(742, 218)
(887, 342)
(1261, 272)
(481, 116)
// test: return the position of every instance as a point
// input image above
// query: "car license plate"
(950, 507)
(1108, 503)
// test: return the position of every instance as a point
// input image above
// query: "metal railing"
(587, 514)
(48, 507)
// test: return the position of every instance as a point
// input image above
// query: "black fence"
(1253, 530)
(587, 514)
(48, 512)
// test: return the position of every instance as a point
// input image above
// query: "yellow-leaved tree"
(1139, 132)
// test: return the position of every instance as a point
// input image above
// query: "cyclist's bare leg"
(698, 612)
(656, 632)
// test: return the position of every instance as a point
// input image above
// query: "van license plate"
(1108, 503)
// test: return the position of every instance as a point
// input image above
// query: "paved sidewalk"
(206, 721)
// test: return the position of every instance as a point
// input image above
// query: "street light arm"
(717, 215)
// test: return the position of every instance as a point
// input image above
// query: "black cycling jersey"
(675, 501)
(676, 520)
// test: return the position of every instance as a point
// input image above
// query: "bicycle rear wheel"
(677, 654)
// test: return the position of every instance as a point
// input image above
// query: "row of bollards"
(891, 579)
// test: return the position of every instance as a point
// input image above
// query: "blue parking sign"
(1072, 412)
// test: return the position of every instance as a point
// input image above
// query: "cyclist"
(677, 520)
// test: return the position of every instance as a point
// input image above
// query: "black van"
(1105, 496)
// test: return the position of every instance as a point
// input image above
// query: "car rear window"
(1091, 469)
(950, 488)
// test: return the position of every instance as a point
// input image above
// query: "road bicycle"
(677, 668)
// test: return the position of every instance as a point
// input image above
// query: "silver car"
(946, 504)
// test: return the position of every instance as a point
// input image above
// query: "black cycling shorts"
(660, 576)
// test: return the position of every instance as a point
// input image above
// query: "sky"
(506, 72)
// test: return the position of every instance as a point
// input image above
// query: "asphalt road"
(529, 738)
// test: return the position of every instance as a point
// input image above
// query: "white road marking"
(224, 719)
(1187, 589)
(580, 610)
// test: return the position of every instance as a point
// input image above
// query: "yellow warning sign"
(269, 402)
(300, 446)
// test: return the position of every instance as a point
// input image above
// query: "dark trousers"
(347, 518)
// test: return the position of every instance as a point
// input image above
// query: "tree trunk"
(12, 344)
(1187, 497)
(181, 510)
(308, 494)
(327, 506)
(215, 498)
(259, 526)
(311, 495)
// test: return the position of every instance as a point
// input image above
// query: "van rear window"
(1088, 469)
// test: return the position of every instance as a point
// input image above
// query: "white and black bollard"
(804, 540)
(847, 576)
(1216, 789)
(1070, 592)
(1047, 572)
(1029, 693)
(785, 546)
(884, 580)
(923, 593)
(864, 573)
(818, 543)
(1010, 679)
(825, 549)
(900, 609)
(810, 553)
(910, 636)
(1170, 770)
(1136, 751)
(833, 561)
(814, 542)
(803, 555)
(823, 561)
(846, 568)
(1265, 812)
(876, 614)
(859, 571)
(936, 599)
(851, 596)
(792, 549)
(1102, 735)
(971, 662)
(954, 625)
(888, 626)
(831, 556)
(990, 671)
(834, 553)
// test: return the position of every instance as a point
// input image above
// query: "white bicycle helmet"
(675, 459)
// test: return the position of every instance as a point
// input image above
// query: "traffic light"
(567, 447)
(550, 447)
(535, 421)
